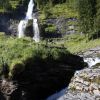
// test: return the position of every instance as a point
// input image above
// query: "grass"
(76, 43)
(50, 28)
(16, 51)
(82, 46)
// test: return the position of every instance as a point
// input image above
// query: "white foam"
(92, 61)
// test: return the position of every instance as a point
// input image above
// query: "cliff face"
(63, 26)
(9, 22)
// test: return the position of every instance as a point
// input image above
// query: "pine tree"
(86, 15)
(97, 20)
(4, 3)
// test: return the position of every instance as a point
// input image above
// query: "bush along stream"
(48, 70)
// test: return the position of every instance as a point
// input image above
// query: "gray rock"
(84, 86)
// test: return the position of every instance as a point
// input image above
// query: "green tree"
(42, 3)
(97, 18)
(87, 13)
(4, 4)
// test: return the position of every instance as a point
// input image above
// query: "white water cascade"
(92, 61)
(29, 14)
(21, 28)
(36, 30)
(23, 23)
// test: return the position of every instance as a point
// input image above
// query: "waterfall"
(29, 14)
(36, 30)
(23, 23)
(21, 28)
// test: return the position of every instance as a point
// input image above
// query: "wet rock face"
(9, 22)
(9, 90)
(3, 23)
(62, 25)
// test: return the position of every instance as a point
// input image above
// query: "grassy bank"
(76, 43)
(80, 43)
(15, 52)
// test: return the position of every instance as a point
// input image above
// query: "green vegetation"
(87, 12)
(82, 46)
(86, 16)
(97, 18)
(59, 10)
(50, 28)
(14, 3)
(16, 51)
(77, 43)
(8, 5)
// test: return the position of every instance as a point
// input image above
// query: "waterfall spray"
(23, 23)
(21, 28)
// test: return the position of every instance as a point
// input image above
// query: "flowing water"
(36, 31)
(92, 61)
(29, 14)
(23, 23)
(58, 95)
(21, 28)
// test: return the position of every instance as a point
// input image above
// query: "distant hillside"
(9, 5)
